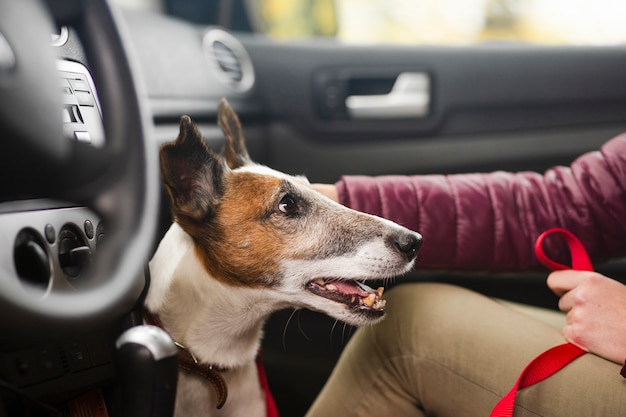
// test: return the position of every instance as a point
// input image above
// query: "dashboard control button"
(74, 253)
(82, 136)
(84, 98)
(88, 226)
(79, 85)
(50, 233)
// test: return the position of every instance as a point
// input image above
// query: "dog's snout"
(408, 244)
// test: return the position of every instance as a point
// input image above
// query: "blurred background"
(446, 21)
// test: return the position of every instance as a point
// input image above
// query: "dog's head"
(255, 227)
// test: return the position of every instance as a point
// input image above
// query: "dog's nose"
(409, 244)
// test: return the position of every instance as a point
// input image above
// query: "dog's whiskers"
(332, 330)
(343, 333)
(285, 329)
(301, 329)
(293, 313)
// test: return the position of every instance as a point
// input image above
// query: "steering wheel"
(119, 182)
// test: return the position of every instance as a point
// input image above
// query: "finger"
(566, 302)
(563, 281)
(574, 338)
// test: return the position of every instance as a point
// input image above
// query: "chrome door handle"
(409, 98)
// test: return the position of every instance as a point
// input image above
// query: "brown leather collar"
(188, 362)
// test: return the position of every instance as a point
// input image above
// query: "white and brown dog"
(247, 241)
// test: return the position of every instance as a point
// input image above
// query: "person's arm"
(490, 221)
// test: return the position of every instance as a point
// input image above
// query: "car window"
(443, 22)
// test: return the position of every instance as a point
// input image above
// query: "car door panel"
(543, 105)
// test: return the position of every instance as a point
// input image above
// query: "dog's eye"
(288, 205)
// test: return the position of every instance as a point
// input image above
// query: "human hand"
(596, 312)
(329, 190)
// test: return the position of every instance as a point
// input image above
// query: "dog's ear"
(192, 173)
(234, 152)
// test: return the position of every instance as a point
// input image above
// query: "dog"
(247, 241)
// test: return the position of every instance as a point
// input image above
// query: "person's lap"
(446, 351)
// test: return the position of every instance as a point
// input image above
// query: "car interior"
(90, 90)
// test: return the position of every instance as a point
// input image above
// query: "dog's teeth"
(331, 287)
(369, 300)
(320, 281)
(379, 304)
(380, 291)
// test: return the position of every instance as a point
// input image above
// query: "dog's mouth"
(356, 295)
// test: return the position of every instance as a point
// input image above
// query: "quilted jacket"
(489, 221)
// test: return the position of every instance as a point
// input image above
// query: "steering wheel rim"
(120, 185)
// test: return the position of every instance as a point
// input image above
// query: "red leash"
(580, 259)
(551, 361)
(270, 405)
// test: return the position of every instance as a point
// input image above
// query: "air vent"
(229, 60)
(61, 38)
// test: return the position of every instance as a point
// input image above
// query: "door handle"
(409, 98)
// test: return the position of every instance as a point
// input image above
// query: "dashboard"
(49, 246)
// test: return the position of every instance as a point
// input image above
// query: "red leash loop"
(580, 259)
(556, 358)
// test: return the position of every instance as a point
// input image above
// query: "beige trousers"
(447, 351)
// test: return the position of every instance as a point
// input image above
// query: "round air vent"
(32, 260)
(229, 60)
(60, 39)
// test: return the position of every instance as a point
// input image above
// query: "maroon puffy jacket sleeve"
(490, 221)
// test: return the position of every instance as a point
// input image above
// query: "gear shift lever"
(147, 365)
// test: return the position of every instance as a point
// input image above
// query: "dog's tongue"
(351, 287)
(350, 292)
